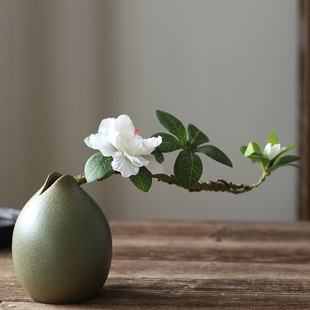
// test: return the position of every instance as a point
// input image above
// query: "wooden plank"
(207, 270)
(220, 252)
(228, 230)
(168, 271)
(187, 294)
(213, 241)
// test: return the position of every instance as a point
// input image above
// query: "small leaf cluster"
(255, 153)
(188, 166)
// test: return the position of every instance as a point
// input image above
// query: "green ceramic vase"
(62, 244)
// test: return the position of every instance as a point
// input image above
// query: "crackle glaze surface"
(62, 245)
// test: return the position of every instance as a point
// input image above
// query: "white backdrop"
(229, 67)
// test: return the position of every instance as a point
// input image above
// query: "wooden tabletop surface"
(193, 265)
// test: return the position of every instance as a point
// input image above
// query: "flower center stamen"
(136, 132)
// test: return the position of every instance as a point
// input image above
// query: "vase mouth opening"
(50, 180)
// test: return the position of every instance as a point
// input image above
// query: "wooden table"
(194, 265)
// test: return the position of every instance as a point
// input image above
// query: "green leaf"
(274, 167)
(257, 155)
(158, 156)
(281, 153)
(262, 160)
(142, 180)
(168, 144)
(188, 168)
(196, 137)
(283, 161)
(97, 167)
(286, 160)
(288, 148)
(173, 125)
(272, 138)
(242, 149)
(293, 165)
(214, 153)
(253, 148)
(254, 152)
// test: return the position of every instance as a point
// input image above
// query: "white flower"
(271, 151)
(119, 138)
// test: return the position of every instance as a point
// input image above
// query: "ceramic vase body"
(62, 244)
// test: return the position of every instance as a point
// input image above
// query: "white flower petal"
(153, 166)
(97, 139)
(107, 149)
(104, 125)
(150, 144)
(112, 134)
(100, 142)
(271, 151)
(124, 125)
(135, 146)
(123, 165)
(120, 143)
(137, 161)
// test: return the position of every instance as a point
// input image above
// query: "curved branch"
(213, 186)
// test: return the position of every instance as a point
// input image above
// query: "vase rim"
(50, 180)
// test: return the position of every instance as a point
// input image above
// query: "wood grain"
(193, 265)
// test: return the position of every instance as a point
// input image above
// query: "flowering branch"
(123, 151)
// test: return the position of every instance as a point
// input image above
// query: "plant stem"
(217, 186)
(214, 186)
(80, 179)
